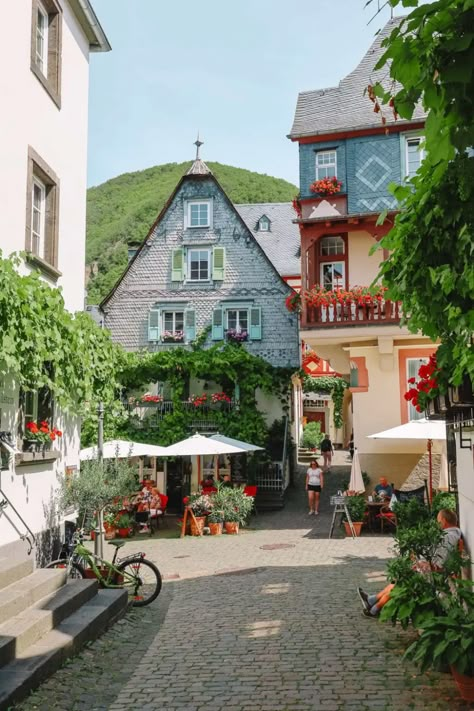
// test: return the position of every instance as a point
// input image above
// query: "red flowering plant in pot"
(293, 302)
(326, 186)
(426, 387)
(39, 435)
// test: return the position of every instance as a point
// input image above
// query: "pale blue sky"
(233, 70)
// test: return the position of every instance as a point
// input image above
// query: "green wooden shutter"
(256, 323)
(177, 266)
(154, 325)
(189, 325)
(218, 263)
(217, 325)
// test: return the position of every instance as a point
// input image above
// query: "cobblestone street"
(266, 621)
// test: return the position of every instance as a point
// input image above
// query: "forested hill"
(121, 211)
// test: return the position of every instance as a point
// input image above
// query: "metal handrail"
(23, 536)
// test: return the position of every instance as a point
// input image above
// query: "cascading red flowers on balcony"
(425, 387)
(220, 397)
(326, 186)
(198, 400)
(357, 295)
(293, 302)
(151, 398)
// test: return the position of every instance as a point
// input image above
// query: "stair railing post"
(99, 530)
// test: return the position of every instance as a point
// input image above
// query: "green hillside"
(121, 211)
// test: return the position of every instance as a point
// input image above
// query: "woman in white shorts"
(314, 485)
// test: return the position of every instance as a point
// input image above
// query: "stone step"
(10, 571)
(41, 659)
(268, 500)
(29, 626)
(26, 592)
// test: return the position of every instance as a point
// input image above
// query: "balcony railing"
(148, 415)
(352, 314)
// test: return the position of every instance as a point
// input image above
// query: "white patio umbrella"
(417, 429)
(246, 446)
(443, 472)
(122, 449)
(198, 445)
(356, 483)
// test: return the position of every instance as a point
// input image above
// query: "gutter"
(89, 22)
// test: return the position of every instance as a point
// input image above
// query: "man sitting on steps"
(448, 521)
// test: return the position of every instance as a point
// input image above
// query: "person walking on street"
(327, 452)
(314, 485)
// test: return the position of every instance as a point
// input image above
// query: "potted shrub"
(109, 525)
(237, 508)
(215, 521)
(448, 639)
(200, 505)
(356, 506)
(124, 525)
(232, 521)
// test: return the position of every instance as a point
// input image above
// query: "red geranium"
(425, 387)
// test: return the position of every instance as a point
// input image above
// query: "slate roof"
(347, 107)
(282, 243)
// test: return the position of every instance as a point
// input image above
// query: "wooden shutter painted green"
(177, 266)
(218, 263)
(217, 325)
(189, 325)
(154, 325)
(256, 323)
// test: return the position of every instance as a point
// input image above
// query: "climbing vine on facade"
(335, 386)
(43, 344)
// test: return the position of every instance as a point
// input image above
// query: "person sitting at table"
(383, 490)
(447, 520)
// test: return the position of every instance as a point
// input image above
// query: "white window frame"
(330, 164)
(412, 413)
(38, 239)
(192, 203)
(264, 224)
(238, 310)
(421, 152)
(173, 313)
(41, 59)
(31, 416)
(332, 242)
(209, 264)
(343, 278)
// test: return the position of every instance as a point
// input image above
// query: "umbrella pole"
(430, 459)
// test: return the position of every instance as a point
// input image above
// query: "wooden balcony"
(343, 315)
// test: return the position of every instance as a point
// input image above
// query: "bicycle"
(141, 576)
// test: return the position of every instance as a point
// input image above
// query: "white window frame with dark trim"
(412, 366)
(200, 272)
(220, 320)
(194, 214)
(181, 264)
(326, 164)
(35, 406)
(42, 215)
(157, 319)
(263, 224)
(336, 282)
(416, 141)
(46, 46)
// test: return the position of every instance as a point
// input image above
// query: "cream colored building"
(43, 149)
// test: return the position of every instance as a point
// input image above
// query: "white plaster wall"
(31, 489)
(465, 478)
(30, 117)
(362, 268)
(270, 405)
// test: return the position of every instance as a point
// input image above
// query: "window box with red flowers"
(40, 436)
(326, 186)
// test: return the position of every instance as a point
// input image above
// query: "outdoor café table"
(374, 508)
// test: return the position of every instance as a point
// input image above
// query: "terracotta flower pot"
(110, 533)
(197, 525)
(357, 527)
(215, 529)
(231, 527)
(465, 685)
(123, 532)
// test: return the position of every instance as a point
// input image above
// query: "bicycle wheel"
(142, 579)
(76, 571)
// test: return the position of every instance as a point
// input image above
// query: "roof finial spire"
(198, 145)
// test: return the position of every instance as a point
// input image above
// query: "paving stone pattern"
(243, 624)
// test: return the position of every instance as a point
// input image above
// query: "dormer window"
(263, 224)
(326, 164)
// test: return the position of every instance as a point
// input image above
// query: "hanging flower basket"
(293, 302)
